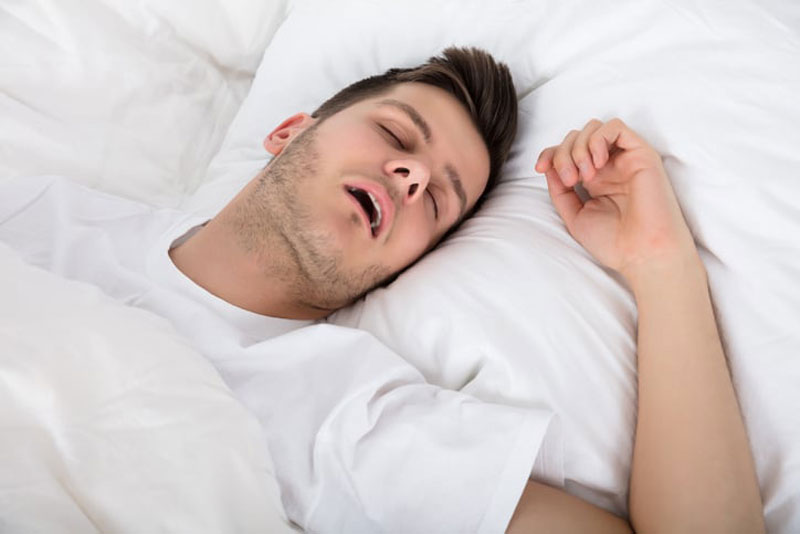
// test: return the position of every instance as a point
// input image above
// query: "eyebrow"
(425, 129)
(412, 114)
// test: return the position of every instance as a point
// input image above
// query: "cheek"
(410, 241)
(340, 223)
(351, 146)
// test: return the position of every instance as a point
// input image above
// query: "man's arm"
(552, 511)
(692, 469)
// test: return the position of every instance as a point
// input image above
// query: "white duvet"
(109, 422)
(137, 99)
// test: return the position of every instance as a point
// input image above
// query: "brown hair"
(482, 85)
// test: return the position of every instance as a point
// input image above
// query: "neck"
(213, 259)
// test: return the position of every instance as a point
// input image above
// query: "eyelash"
(435, 204)
(396, 139)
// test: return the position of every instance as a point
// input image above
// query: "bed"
(110, 421)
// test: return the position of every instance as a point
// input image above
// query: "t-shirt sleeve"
(361, 443)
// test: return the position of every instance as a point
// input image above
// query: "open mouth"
(371, 207)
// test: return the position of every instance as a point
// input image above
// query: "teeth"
(378, 215)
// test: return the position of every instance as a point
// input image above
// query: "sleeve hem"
(538, 449)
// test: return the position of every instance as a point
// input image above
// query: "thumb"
(565, 199)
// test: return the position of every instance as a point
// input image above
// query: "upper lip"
(379, 193)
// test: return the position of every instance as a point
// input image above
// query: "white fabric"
(512, 309)
(353, 429)
(129, 97)
(134, 98)
(111, 422)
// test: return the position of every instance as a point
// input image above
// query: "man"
(356, 193)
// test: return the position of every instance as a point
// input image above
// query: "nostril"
(412, 189)
(402, 170)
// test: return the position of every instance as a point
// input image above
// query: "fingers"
(545, 161)
(556, 158)
(614, 133)
(583, 153)
(571, 159)
(562, 160)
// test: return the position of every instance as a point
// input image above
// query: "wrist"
(662, 271)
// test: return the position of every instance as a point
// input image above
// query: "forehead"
(454, 139)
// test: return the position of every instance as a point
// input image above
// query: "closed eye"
(435, 204)
(396, 140)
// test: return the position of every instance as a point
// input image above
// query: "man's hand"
(633, 218)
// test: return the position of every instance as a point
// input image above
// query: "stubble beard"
(277, 226)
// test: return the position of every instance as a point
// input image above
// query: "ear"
(277, 140)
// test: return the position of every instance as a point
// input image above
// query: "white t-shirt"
(360, 442)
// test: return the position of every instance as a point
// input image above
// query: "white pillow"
(234, 33)
(130, 97)
(511, 308)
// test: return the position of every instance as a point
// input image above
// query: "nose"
(412, 176)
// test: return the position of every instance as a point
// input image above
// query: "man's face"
(364, 193)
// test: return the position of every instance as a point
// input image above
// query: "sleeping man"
(356, 192)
